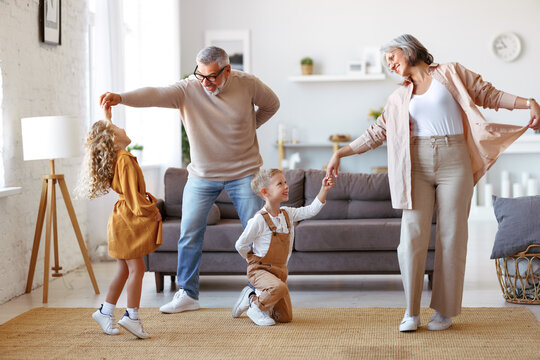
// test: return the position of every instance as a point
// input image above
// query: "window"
(134, 44)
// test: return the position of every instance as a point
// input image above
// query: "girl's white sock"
(133, 313)
(107, 308)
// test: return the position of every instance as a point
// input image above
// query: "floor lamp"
(52, 137)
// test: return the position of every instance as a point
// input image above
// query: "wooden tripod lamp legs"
(47, 209)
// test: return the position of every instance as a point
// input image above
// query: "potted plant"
(136, 150)
(307, 66)
(374, 114)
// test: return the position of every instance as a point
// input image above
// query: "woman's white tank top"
(435, 113)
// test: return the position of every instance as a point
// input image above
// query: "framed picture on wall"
(372, 58)
(50, 19)
(235, 43)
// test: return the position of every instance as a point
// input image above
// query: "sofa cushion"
(350, 235)
(355, 196)
(295, 180)
(221, 237)
(175, 179)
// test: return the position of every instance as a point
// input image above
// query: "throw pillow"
(213, 216)
(519, 225)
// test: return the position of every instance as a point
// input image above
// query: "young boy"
(266, 244)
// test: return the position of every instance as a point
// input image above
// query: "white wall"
(333, 32)
(38, 79)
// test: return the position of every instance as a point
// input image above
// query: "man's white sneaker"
(439, 322)
(107, 322)
(180, 302)
(133, 326)
(409, 323)
(242, 304)
(259, 317)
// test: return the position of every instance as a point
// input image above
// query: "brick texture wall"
(38, 80)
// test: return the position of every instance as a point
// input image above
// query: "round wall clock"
(507, 46)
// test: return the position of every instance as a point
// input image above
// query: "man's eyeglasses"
(211, 78)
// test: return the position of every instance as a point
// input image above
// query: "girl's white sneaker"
(107, 322)
(133, 326)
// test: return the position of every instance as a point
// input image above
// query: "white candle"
(294, 135)
(505, 188)
(532, 187)
(281, 132)
(524, 179)
(517, 190)
(488, 191)
(505, 175)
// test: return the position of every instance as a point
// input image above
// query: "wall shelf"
(318, 145)
(526, 144)
(337, 78)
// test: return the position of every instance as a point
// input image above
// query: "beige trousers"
(441, 179)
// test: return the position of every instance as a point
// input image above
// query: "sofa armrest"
(161, 207)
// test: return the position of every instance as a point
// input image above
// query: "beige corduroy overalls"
(268, 274)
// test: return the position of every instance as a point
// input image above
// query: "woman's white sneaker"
(107, 322)
(180, 302)
(439, 322)
(133, 326)
(409, 323)
(259, 317)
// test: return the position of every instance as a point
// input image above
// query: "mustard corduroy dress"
(132, 231)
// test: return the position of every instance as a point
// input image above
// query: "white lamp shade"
(50, 137)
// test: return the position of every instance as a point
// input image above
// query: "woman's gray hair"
(413, 50)
(213, 55)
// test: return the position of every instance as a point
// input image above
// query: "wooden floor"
(481, 286)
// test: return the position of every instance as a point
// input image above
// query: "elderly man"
(217, 105)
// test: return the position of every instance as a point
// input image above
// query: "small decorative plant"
(307, 65)
(306, 61)
(135, 147)
(374, 114)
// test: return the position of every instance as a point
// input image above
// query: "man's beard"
(218, 89)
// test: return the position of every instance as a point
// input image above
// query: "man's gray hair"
(413, 50)
(213, 55)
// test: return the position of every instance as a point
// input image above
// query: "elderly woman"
(439, 146)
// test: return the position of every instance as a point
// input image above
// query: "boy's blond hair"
(262, 179)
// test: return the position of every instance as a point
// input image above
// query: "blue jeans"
(199, 195)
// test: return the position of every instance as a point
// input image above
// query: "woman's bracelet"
(529, 102)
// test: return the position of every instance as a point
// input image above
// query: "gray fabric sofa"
(357, 231)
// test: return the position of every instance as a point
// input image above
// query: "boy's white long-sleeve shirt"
(257, 235)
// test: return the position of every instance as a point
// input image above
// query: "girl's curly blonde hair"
(100, 159)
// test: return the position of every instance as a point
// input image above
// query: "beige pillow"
(213, 216)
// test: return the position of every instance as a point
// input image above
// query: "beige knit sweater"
(220, 128)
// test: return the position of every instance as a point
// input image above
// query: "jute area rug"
(365, 333)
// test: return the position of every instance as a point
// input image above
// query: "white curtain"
(2, 178)
(135, 43)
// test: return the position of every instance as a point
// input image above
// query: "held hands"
(332, 168)
(534, 123)
(109, 99)
(107, 112)
(328, 183)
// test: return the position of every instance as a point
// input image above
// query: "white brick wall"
(38, 79)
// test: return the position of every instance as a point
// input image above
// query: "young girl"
(134, 227)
